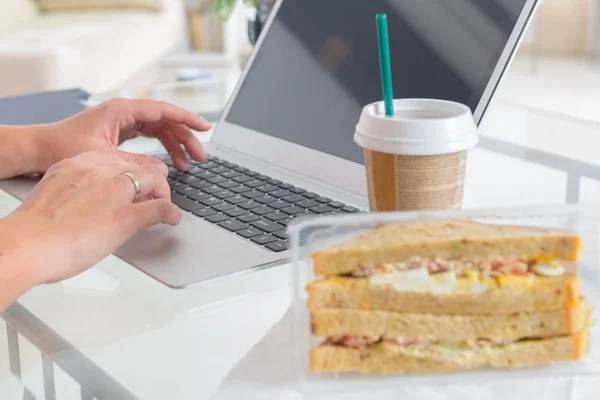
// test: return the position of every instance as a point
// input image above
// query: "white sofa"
(95, 50)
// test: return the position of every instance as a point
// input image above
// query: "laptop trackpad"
(193, 252)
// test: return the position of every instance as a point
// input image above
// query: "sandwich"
(447, 295)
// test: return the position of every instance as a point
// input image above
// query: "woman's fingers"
(152, 184)
(142, 159)
(184, 135)
(174, 148)
(149, 111)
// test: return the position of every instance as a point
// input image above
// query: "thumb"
(143, 159)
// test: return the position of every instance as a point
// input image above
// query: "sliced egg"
(515, 280)
(410, 280)
(479, 288)
(546, 270)
(444, 282)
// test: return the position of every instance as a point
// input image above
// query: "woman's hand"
(82, 210)
(107, 125)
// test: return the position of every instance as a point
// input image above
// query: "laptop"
(284, 149)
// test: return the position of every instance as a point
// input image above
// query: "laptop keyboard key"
(336, 204)
(266, 225)
(223, 206)
(307, 203)
(208, 165)
(237, 199)
(297, 190)
(305, 214)
(240, 169)
(262, 210)
(267, 188)
(286, 186)
(212, 189)
(249, 217)
(224, 194)
(294, 198)
(217, 179)
(281, 193)
(265, 199)
(253, 194)
(280, 245)
(334, 212)
(230, 165)
(201, 184)
(293, 210)
(198, 196)
(220, 170)
(242, 179)
(195, 170)
(249, 205)
(236, 212)
(211, 201)
(205, 175)
(240, 189)
(273, 181)
(177, 185)
(321, 209)
(231, 174)
(184, 203)
(228, 184)
(186, 190)
(263, 177)
(282, 234)
(310, 195)
(233, 225)
(322, 199)
(263, 239)
(216, 218)
(349, 209)
(276, 216)
(250, 232)
(254, 183)
(286, 222)
(204, 212)
(189, 179)
(279, 204)
(251, 173)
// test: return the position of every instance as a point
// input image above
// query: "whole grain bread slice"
(408, 327)
(446, 240)
(390, 358)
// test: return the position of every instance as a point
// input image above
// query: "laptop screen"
(319, 64)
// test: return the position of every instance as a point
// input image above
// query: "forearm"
(21, 151)
(16, 264)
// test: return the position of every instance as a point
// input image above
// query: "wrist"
(18, 264)
(24, 150)
(37, 148)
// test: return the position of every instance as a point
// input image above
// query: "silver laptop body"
(291, 66)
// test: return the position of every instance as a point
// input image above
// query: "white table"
(113, 332)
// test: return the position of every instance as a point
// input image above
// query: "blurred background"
(116, 47)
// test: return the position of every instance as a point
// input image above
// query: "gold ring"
(136, 184)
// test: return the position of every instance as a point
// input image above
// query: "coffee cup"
(416, 159)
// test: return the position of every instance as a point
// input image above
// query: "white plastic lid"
(420, 127)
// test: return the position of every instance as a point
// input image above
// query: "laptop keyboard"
(256, 207)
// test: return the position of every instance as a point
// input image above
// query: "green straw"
(385, 64)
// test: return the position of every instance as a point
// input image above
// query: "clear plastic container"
(310, 235)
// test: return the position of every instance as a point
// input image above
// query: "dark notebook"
(42, 108)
